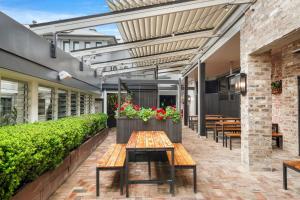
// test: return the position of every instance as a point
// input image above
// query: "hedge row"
(29, 150)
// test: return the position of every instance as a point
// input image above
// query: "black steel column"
(185, 108)
(196, 97)
(201, 98)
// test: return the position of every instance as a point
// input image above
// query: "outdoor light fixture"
(62, 75)
(52, 50)
(241, 84)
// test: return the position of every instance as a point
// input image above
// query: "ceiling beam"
(141, 43)
(128, 14)
(134, 69)
(170, 69)
(144, 58)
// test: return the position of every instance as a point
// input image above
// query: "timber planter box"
(45, 185)
(125, 126)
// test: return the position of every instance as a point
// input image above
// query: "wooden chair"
(277, 136)
(183, 160)
(292, 164)
(113, 159)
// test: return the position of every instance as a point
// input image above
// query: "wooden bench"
(113, 159)
(230, 136)
(183, 160)
(292, 164)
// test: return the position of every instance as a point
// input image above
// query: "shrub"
(29, 150)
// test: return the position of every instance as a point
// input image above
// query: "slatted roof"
(168, 24)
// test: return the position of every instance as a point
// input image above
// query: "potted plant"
(276, 87)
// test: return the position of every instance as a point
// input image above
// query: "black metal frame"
(230, 141)
(194, 168)
(149, 181)
(285, 166)
(98, 169)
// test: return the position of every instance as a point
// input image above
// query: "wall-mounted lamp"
(241, 84)
(189, 99)
(62, 75)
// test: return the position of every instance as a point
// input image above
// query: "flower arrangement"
(276, 87)
(135, 111)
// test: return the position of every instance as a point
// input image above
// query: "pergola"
(166, 36)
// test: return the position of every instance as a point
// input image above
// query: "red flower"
(153, 108)
(159, 116)
(161, 110)
(122, 108)
(136, 107)
(116, 106)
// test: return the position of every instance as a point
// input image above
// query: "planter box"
(45, 185)
(126, 126)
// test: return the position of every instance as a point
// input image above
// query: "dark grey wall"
(21, 42)
(145, 98)
(226, 105)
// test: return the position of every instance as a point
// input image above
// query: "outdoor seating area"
(150, 99)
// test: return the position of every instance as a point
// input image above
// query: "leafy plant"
(276, 85)
(9, 118)
(145, 114)
(29, 150)
(173, 114)
(129, 111)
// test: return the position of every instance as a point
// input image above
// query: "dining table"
(149, 141)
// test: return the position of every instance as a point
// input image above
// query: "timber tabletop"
(149, 140)
(228, 123)
(221, 118)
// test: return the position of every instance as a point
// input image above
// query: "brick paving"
(220, 176)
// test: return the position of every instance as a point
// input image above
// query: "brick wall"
(286, 67)
(266, 23)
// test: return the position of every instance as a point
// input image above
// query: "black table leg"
(121, 180)
(127, 172)
(284, 177)
(97, 182)
(173, 173)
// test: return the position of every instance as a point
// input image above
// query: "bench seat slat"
(114, 157)
(181, 156)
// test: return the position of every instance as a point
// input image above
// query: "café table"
(149, 141)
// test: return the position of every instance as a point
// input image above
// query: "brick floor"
(220, 176)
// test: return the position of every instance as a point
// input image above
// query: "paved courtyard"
(220, 176)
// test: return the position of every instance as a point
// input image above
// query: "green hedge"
(29, 150)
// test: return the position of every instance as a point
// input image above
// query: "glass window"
(62, 104)
(98, 105)
(82, 104)
(90, 104)
(45, 106)
(75, 45)
(66, 46)
(14, 102)
(98, 44)
(73, 103)
(87, 45)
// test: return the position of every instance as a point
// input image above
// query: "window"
(62, 104)
(66, 46)
(13, 102)
(87, 45)
(98, 105)
(98, 44)
(74, 103)
(45, 103)
(90, 103)
(82, 104)
(75, 45)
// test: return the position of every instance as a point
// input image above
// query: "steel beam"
(141, 43)
(128, 14)
(143, 58)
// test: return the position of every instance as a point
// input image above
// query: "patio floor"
(220, 176)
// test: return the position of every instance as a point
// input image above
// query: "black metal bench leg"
(217, 136)
(223, 140)
(284, 177)
(121, 180)
(195, 179)
(277, 142)
(149, 165)
(230, 143)
(226, 141)
(97, 182)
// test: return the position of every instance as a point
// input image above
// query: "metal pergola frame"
(124, 83)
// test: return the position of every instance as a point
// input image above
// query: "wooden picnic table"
(222, 119)
(149, 141)
(233, 126)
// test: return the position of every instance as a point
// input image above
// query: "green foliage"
(129, 112)
(145, 114)
(29, 150)
(9, 118)
(173, 114)
(276, 84)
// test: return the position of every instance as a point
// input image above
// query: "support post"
(185, 108)
(119, 96)
(201, 98)
(179, 96)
